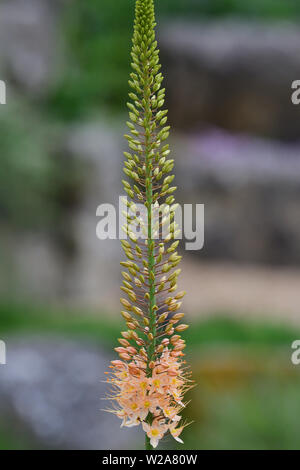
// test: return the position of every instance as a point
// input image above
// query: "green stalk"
(149, 280)
(148, 446)
(151, 244)
(151, 270)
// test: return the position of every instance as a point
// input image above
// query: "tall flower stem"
(148, 446)
(150, 241)
(150, 379)
(149, 205)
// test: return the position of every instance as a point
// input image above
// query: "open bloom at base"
(175, 432)
(155, 431)
(155, 402)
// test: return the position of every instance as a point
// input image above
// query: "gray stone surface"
(75, 266)
(94, 274)
(250, 188)
(52, 387)
(234, 74)
(29, 42)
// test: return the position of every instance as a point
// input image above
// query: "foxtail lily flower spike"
(150, 378)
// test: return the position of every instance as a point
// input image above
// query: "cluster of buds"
(150, 378)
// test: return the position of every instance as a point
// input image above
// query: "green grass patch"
(13, 440)
(223, 329)
(262, 415)
(17, 318)
(219, 330)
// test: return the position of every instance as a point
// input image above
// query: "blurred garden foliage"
(261, 413)
(25, 177)
(96, 40)
(98, 37)
(247, 390)
(40, 185)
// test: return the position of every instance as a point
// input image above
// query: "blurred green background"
(229, 66)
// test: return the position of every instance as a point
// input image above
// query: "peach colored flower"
(171, 413)
(155, 432)
(138, 397)
(175, 432)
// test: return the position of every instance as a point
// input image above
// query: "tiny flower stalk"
(150, 378)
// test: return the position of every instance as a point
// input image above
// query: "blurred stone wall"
(234, 74)
(228, 75)
(30, 49)
(250, 188)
